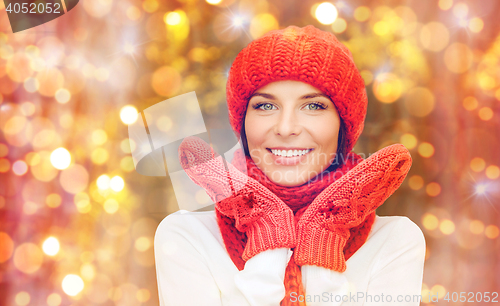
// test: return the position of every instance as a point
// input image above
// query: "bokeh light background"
(77, 222)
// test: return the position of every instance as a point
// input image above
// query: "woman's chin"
(287, 178)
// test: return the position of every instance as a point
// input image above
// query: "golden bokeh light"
(4, 165)
(476, 24)
(111, 206)
(362, 13)
(433, 189)
(477, 164)
(74, 179)
(458, 58)
(72, 284)
(408, 140)
(387, 87)
(382, 28)
(434, 36)
(150, 6)
(166, 75)
(339, 26)
(128, 114)
(416, 182)
(53, 200)
(262, 24)
(51, 246)
(461, 10)
(50, 80)
(28, 258)
(485, 113)
(430, 221)
(476, 227)
(133, 12)
(491, 231)
(22, 298)
(99, 156)
(143, 295)
(88, 271)
(82, 202)
(99, 137)
(493, 172)
(14, 125)
(419, 101)
(32, 158)
(28, 108)
(470, 103)
(214, 2)
(426, 149)
(172, 18)
(19, 168)
(127, 145)
(142, 244)
(63, 95)
(127, 164)
(6, 247)
(116, 183)
(326, 13)
(54, 299)
(438, 290)
(103, 182)
(447, 227)
(30, 208)
(445, 4)
(60, 158)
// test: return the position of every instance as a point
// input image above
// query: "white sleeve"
(397, 273)
(400, 269)
(262, 279)
(320, 284)
(182, 274)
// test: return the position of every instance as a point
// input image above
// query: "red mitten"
(323, 229)
(267, 221)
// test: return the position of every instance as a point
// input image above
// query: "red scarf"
(297, 198)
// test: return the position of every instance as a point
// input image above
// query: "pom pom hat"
(304, 54)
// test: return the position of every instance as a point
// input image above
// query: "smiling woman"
(299, 228)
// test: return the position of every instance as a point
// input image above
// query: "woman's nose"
(287, 124)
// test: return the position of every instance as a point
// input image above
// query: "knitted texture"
(267, 221)
(323, 230)
(304, 54)
(237, 217)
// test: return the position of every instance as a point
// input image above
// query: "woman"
(300, 228)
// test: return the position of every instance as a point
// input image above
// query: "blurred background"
(77, 221)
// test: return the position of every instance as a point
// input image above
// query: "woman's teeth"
(290, 153)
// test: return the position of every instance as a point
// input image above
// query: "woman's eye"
(315, 106)
(266, 106)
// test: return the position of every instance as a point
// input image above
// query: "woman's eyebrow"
(265, 95)
(306, 96)
(314, 95)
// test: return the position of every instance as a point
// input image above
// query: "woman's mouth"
(289, 157)
(290, 153)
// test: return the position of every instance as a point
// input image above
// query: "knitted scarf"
(297, 198)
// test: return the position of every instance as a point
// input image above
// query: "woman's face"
(292, 131)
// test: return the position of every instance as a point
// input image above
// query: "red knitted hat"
(304, 54)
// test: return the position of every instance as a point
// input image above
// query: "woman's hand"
(267, 221)
(323, 229)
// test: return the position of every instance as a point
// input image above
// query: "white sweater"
(194, 268)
